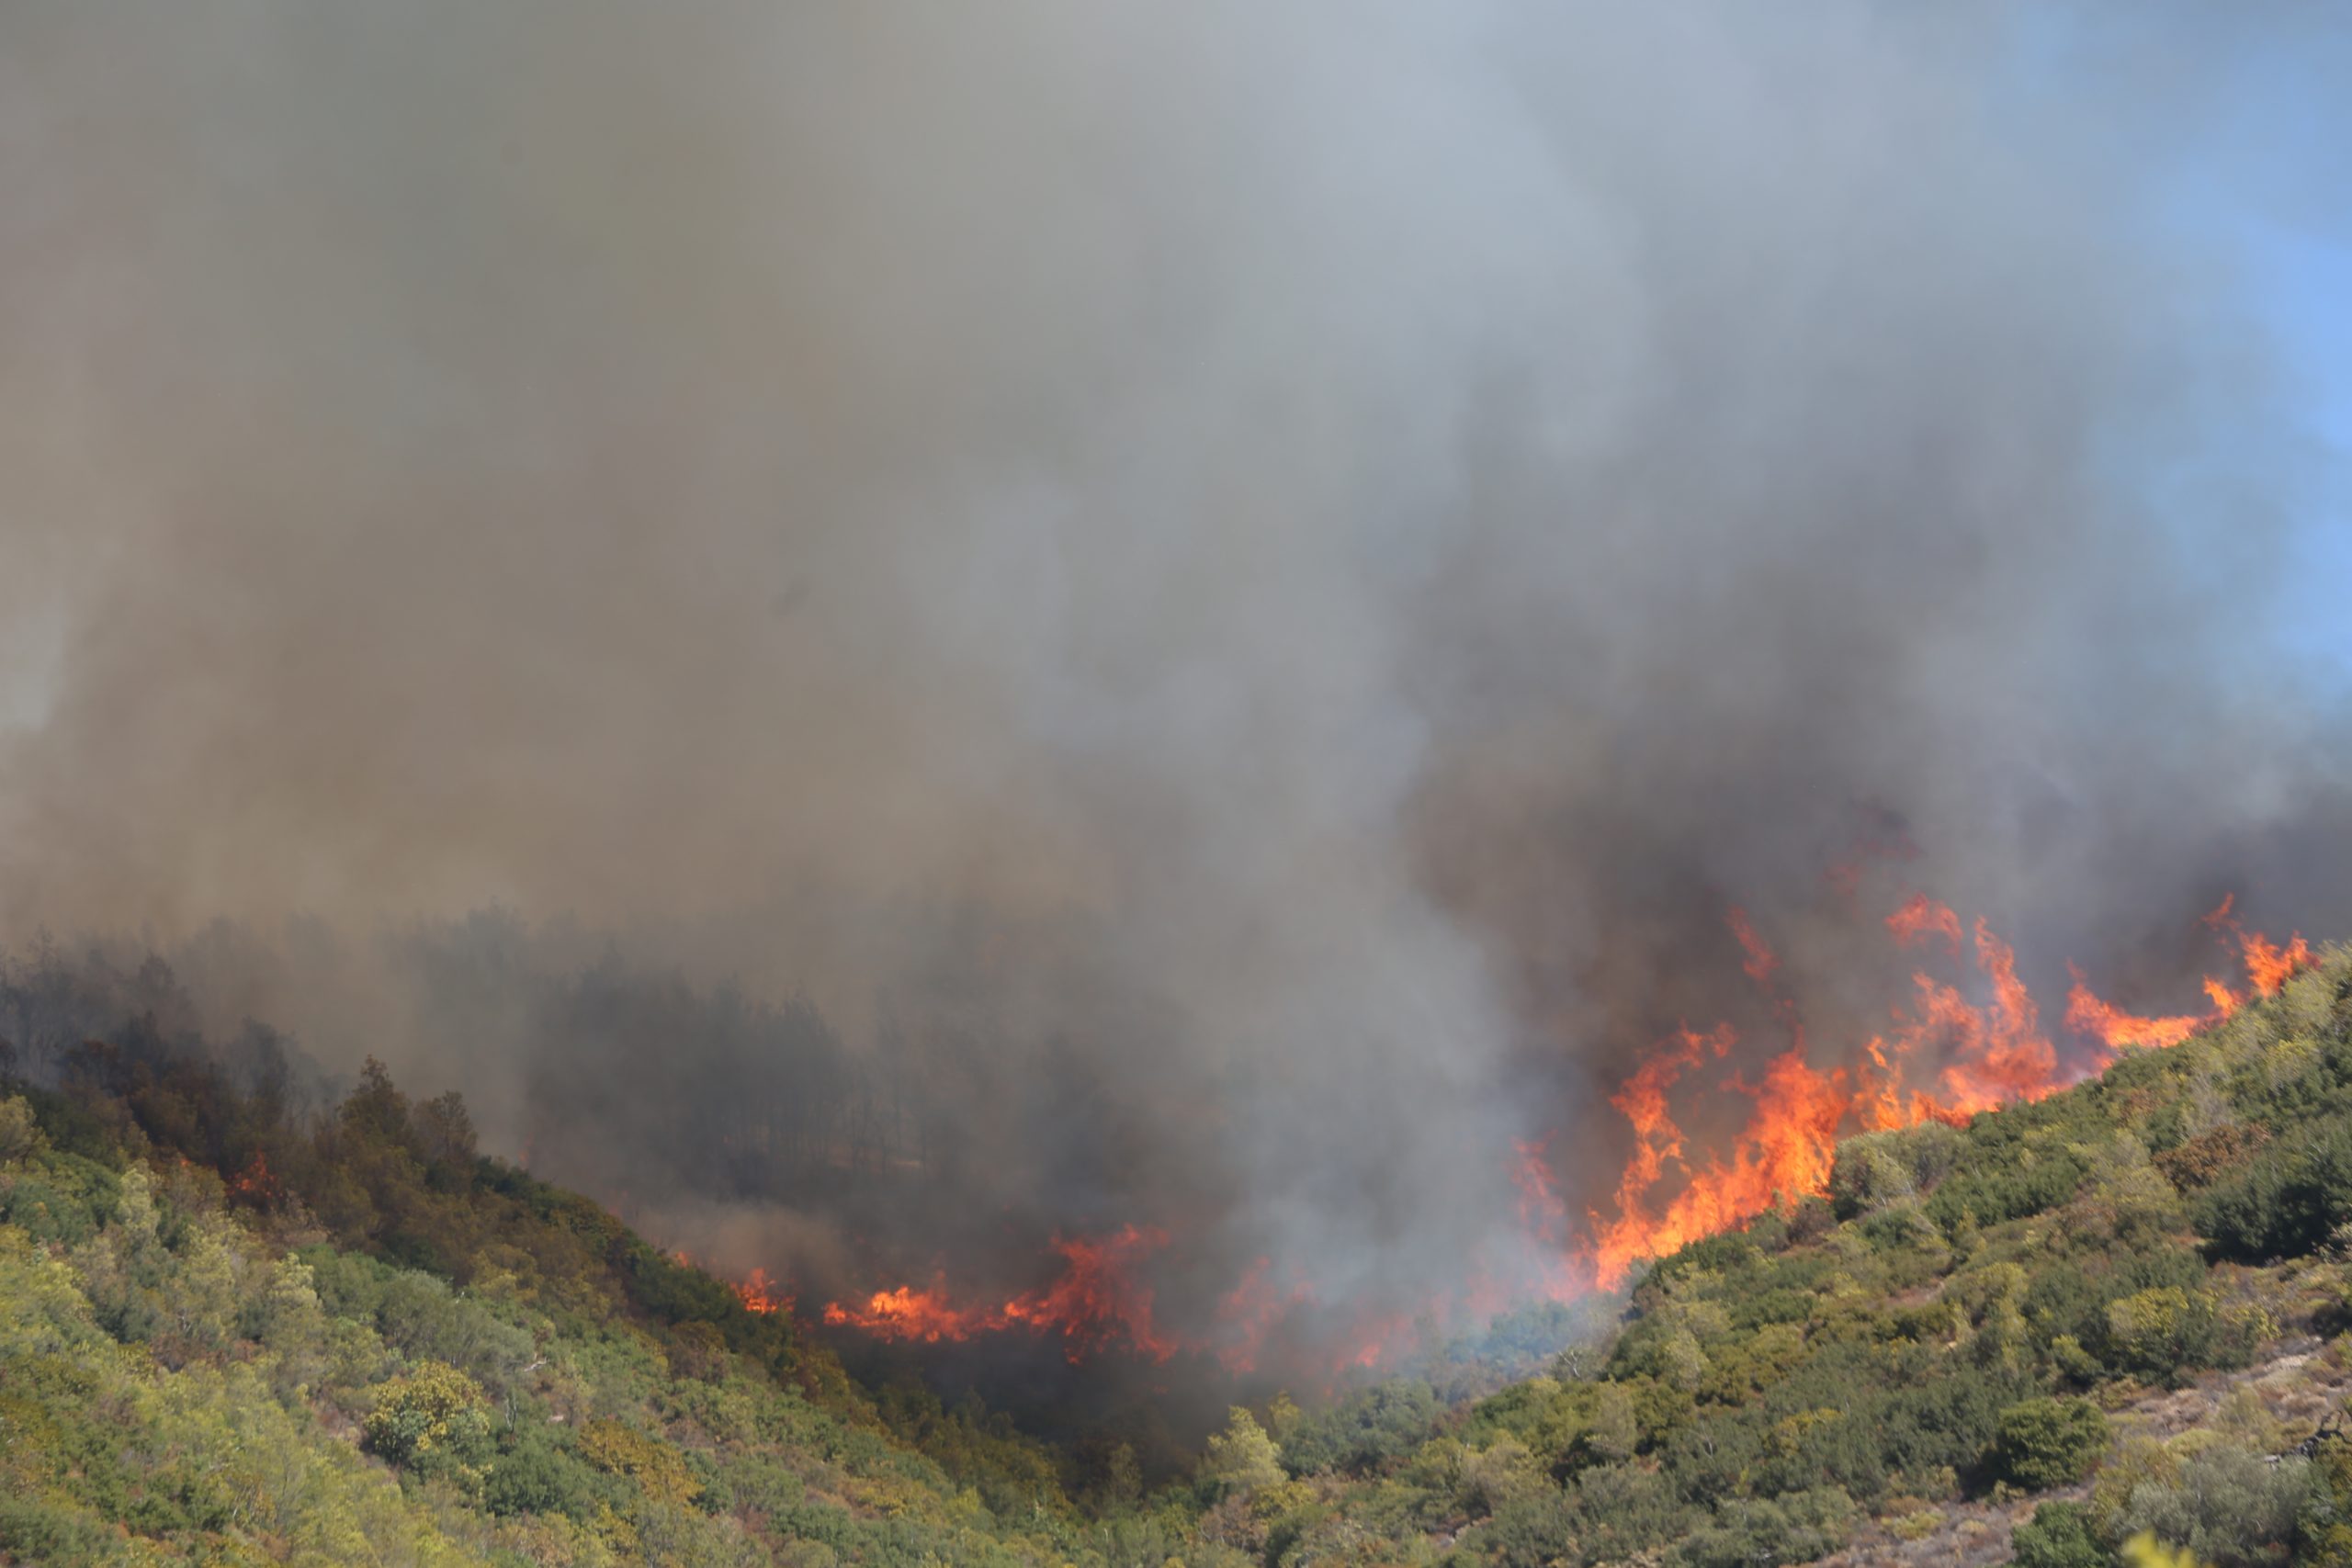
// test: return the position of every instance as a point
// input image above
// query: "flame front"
(1099, 1300)
(905, 1312)
(1963, 1043)
(1968, 1057)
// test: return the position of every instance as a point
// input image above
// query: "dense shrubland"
(1972, 1317)
(232, 1331)
(226, 1335)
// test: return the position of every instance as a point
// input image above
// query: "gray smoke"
(1228, 590)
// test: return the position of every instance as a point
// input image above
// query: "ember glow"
(255, 1183)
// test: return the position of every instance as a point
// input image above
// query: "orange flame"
(1958, 1047)
(1377, 1342)
(1784, 1154)
(1248, 1312)
(2268, 966)
(2001, 1054)
(1096, 1302)
(1921, 916)
(254, 1183)
(2118, 1030)
(759, 1293)
(1656, 1140)
(1761, 961)
(904, 1313)
(1979, 1056)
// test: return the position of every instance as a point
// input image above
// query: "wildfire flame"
(1976, 1058)
(1920, 917)
(255, 1183)
(1250, 1311)
(1098, 1300)
(905, 1312)
(1963, 1043)
(2268, 966)
(761, 1294)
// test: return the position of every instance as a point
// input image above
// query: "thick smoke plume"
(1051, 615)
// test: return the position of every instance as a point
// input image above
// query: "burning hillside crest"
(1942, 1057)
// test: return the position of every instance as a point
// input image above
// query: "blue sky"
(2268, 181)
(2247, 142)
(2304, 283)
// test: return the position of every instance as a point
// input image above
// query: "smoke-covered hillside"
(1147, 655)
(231, 1328)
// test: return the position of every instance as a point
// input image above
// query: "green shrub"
(655, 1467)
(2058, 1536)
(434, 1407)
(536, 1470)
(1626, 1510)
(1241, 1458)
(20, 1134)
(2210, 1156)
(2229, 1508)
(1878, 1169)
(1797, 1527)
(34, 1531)
(2042, 1443)
(1377, 1427)
(2160, 1333)
(2284, 1202)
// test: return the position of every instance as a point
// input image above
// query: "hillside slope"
(2121, 1300)
(253, 1368)
(230, 1333)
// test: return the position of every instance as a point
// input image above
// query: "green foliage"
(1241, 1459)
(2155, 1334)
(1363, 1433)
(2058, 1536)
(20, 1135)
(2042, 1443)
(181, 1340)
(653, 1466)
(2227, 1507)
(422, 1316)
(1796, 1527)
(2210, 1156)
(434, 1407)
(172, 1378)
(2286, 1200)
(536, 1470)
(1879, 1168)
